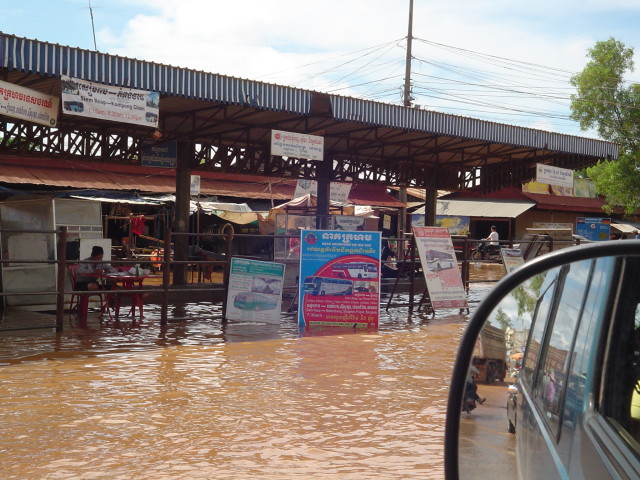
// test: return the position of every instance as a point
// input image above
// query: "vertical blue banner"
(339, 279)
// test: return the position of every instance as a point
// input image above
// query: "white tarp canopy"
(625, 227)
(480, 208)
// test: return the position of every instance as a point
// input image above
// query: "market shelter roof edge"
(371, 141)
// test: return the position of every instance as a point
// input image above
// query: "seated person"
(84, 280)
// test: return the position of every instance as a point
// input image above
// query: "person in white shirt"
(493, 240)
(85, 281)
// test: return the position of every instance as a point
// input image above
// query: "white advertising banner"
(195, 185)
(440, 267)
(298, 145)
(255, 291)
(120, 104)
(27, 104)
(562, 177)
(338, 192)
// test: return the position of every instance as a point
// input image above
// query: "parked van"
(575, 405)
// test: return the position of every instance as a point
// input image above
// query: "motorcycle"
(490, 252)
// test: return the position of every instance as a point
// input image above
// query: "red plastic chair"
(75, 297)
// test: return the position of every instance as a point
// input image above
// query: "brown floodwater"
(200, 400)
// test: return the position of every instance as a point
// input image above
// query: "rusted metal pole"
(412, 275)
(62, 269)
(227, 268)
(166, 272)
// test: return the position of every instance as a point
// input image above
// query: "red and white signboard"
(440, 267)
(27, 104)
(297, 145)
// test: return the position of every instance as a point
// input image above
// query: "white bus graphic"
(356, 270)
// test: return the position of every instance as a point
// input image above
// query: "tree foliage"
(604, 101)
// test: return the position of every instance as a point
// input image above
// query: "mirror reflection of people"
(471, 391)
(84, 280)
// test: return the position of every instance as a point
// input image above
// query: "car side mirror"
(517, 297)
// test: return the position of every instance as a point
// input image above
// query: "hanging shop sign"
(108, 102)
(27, 104)
(255, 291)
(297, 145)
(163, 154)
(194, 186)
(440, 267)
(339, 279)
(338, 191)
(562, 177)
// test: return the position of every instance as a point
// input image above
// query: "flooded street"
(196, 400)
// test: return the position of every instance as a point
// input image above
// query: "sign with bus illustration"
(255, 291)
(340, 279)
(441, 272)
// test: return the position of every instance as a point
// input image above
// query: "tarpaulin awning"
(626, 227)
(480, 208)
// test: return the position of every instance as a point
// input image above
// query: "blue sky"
(501, 60)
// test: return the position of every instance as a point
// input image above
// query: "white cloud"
(254, 39)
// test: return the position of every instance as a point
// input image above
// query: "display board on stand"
(440, 267)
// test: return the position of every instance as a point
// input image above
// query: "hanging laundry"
(137, 225)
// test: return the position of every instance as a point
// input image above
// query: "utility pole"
(407, 71)
(402, 192)
(93, 28)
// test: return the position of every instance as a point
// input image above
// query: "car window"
(540, 316)
(555, 358)
(620, 394)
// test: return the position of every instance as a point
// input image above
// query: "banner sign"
(255, 291)
(159, 154)
(338, 192)
(348, 222)
(194, 186)
(511, 258)
(457, 225)
(298, 145)
(440, 267)
(595, 229)
(339, 279)
(563, 177)
(120, 104)
(27, 104)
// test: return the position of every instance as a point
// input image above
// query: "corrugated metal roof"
(47, 59)
(372, 194)
(43, 58)
(365, 111)
(161, 183)
(561, 202)
(480, 208)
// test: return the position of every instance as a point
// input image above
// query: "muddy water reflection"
(200, 401)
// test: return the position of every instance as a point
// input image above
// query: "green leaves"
(604, 101)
